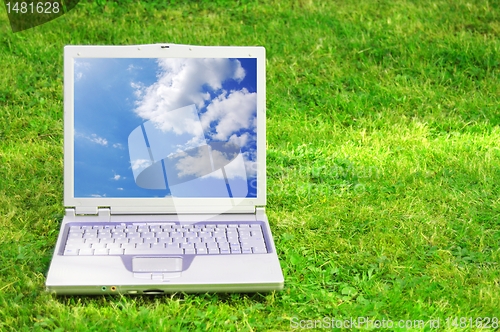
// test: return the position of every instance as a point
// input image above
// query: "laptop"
(164, 172)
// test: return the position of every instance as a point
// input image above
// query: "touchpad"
(157, 264)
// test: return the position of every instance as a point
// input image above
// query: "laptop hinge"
(70, 212)
(104, 214)
(81, 210)
(260, 210)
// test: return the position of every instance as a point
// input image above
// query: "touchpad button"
(157, 264)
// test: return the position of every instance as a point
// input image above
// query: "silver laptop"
(164, 172)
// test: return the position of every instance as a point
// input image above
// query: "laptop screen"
(180, 127)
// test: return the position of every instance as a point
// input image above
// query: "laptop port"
(153, 291)
(113, 288)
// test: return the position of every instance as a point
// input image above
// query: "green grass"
(383, 161)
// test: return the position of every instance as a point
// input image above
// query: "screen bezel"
(164, 204)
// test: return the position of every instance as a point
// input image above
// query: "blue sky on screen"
(176, 107)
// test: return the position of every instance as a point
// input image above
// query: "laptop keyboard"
(165, 239)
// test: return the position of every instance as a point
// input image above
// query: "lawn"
(383, 149)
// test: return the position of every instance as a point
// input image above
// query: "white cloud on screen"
(180, 83)
(183, 82)
(197, 165)
(231, 113)
(99, 140)
(192, 143)
(94, 138)
(250, 162)
(140, 164)
(193, 165)
(171, 121)
(132, 67)
(80, 68)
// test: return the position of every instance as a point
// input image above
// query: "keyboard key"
(86, 252)
(128, 245)
(158, 245)
(91, 240)
(200, 245)
(133, 237)
(166, 227)
(70, 252)
(101, 252)
(252, 245)
(113, 245)
(143, 246)
(212, 245)
(223, 245)
(106, 240)
(98, 245)
(77, 246)
(115, 251)
(259, 251)
(201, 251)
(208, 239)
(75, 240)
